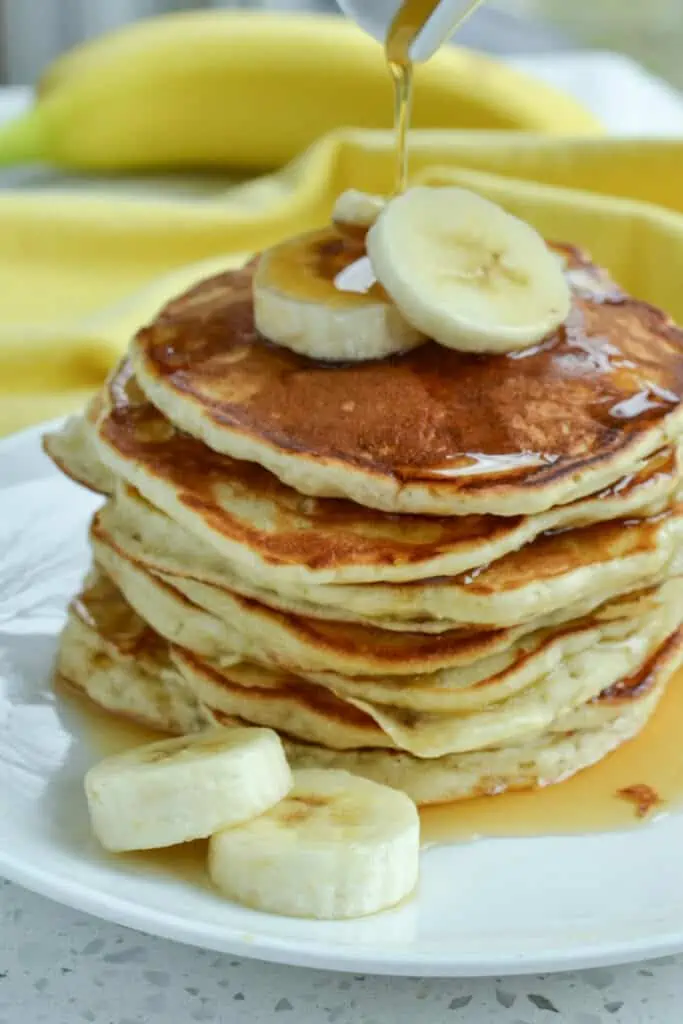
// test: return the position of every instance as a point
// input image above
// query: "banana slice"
(317, 295)
(356, 210)
(182, 789)
(338, 846)
(465, 272)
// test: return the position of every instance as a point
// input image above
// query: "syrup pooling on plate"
(594, 800)
(591, 801)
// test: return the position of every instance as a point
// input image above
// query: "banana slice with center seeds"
(317, 294)
(338, 846)
(187, 788)
(465, 272)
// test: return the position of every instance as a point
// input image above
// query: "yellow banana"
(231, 89)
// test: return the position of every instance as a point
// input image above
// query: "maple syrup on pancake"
(592, 801)
(633, 785)
(328, 266)
(409, 21)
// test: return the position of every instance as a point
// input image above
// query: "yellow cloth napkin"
(75, 270)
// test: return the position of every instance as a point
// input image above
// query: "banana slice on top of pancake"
(465, 272)
(356, 211)
(317, 294)
(441, 263)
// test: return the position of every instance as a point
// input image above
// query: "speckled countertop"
(61, 967)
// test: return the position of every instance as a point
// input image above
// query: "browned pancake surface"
(318, 533)
(589, 391)
(102, 607)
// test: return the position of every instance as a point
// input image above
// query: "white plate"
(493, 907)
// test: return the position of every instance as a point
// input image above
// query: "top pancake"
(433, 431)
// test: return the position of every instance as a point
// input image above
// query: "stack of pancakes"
(452, 573)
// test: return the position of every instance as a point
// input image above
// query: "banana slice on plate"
(338, 846)
(186, 788)
(317, 294)
(465, 272)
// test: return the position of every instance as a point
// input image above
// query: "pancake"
(432, 431)
(109, 653)
(180, 690)
(541, 762)
(247, 629)
(96, 663)
(590, 565)
(581, 738)
(72, 449)
(525, 663)
(531, 713)
(453, 574)
(267, 636)
(280, 538)
(165, 548)
(575, 678)
(286, 703)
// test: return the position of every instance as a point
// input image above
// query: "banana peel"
(240, 90)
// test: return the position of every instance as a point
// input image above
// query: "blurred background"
(34, 31)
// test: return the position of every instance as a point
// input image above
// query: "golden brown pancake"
(72, 449)
(432, 431)
(109, 653)
(582, 738)
(281, 537)
(270, 697)
(414, 568)
(527, 660)
(123, 667)
(586, 566)
(223, 625)
(167, 548)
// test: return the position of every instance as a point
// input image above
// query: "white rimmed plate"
(493, 907)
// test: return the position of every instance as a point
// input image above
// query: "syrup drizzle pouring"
(409, 21)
